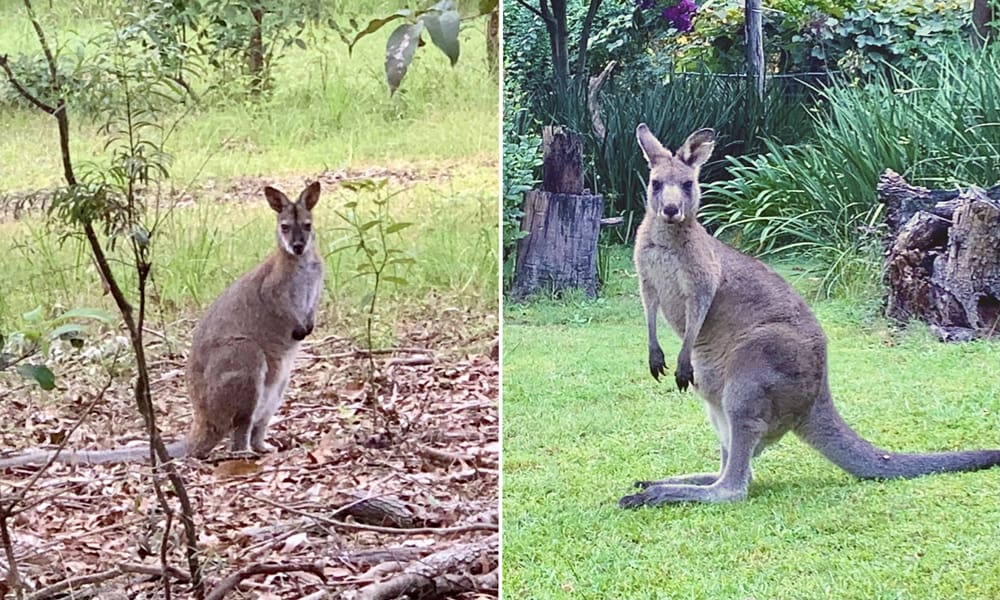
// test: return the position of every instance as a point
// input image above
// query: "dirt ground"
(347, 503)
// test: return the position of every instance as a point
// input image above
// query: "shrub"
(939, 127)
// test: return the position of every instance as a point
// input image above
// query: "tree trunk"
(562, 162)
(755, 46)
(255, 51)
(493, 42)
(943, 257)
(562, 222)
(982, 15)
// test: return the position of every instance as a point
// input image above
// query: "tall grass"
(326, 109)
(673, 110)
(939, 127)
(202, 248)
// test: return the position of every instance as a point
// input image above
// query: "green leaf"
(89, 313)
(376, 24)
(443, 28)
(397, 227)
(399, 52)
(396, 280)
(366, 300)
(67, 331)
(39, 373)
(33, 316)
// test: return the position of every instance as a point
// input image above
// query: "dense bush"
(939, 127)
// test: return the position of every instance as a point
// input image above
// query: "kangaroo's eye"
(687, 186)
(285, 227)
(307, 226)
(657, 186)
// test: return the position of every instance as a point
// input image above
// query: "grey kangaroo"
(750, 346)
(243, 347)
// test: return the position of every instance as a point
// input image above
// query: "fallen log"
(942, 258)
(456, 569)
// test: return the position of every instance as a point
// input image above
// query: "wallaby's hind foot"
(261, 447)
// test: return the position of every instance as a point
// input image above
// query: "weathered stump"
(561, 223)
(943, 257)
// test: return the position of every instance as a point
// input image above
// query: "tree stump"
(561, 222)
(943, 257)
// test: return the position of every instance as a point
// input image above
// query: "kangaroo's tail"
(137, 453)
(827, 432)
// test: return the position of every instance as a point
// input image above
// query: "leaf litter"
(357, 503)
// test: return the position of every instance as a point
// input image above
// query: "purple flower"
(679, 15)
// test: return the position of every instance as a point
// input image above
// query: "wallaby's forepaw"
(684, 376)
(657, 365)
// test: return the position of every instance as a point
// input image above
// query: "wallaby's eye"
(687, 186)
(285, 228)
(657, 186)
(307, 226)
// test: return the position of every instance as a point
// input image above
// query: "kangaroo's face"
(295, 233)
(673, 193)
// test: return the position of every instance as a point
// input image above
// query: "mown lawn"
(582, 420)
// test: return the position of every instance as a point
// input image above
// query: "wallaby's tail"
(825, 431)
(137, 453)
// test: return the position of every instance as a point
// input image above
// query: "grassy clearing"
(583, 420)
(328, 110)
(205, 246)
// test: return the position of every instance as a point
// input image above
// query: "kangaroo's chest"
(664, 271)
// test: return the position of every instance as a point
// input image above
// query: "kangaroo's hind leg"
(720, 423)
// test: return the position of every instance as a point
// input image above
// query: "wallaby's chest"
(304, 285)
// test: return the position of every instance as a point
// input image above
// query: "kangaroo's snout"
(298, 248)
(672, 213)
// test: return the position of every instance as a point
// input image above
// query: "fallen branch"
(449, 458)
(444, 573)
(594, 102)
(229, 583)
(73, 583)
(378, 529)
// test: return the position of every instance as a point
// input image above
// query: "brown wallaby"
(750, 345)
(243, 348)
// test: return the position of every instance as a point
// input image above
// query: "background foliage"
(854, 87)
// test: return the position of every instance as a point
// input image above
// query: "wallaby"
(243, 347)
(750, 345)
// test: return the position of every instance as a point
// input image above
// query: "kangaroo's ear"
(310, 195)
(652, 149)
(275, 198)
(698, 147)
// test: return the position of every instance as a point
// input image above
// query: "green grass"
(328, 110)
(205, 246)
(582, 420)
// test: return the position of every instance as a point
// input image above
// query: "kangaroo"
(750, 345)
(242, 348)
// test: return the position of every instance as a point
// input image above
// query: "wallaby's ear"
(310, 195)
(698, 147)
(275, 198)
(652, 149)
